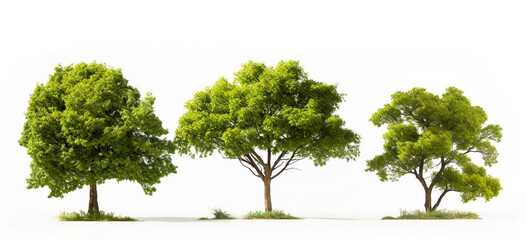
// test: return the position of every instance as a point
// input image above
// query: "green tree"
(86, 125)
(432, 138)
(268, 119)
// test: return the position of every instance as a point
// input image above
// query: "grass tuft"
(439, 214)
(100, 216)
(220, 214)
(275, 214)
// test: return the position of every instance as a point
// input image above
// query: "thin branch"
(402, 166)
(293, 168)
(242, 161)
(473, 152)
(286, 164)
(223, 156)
(253, 164)
(277, 164)
(278, 160)
(439, 163)
(395, 171)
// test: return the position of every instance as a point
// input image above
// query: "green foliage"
(87, 125)
(439, 214)
(275, 214)
(220, 214)
(275, 111)
(437, 135)
(96, 216)
(271, 109)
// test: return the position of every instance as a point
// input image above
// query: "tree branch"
(253, 164)
(419, 175)
(286, 164)
(258, 158)
(439, 199)
(268, 156)
(278, 160)
(439, 173)
(242, 161)
(468, 150)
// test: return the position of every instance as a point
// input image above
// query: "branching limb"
(253, 164)
(256, 157)
(278, 161)
(288, 162)
(243, 162)
(277, 164)
(440, 198)
(419, 175)
(439, 173)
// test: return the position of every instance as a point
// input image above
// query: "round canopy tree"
(433, 139)
(86, 125)
(268, 119)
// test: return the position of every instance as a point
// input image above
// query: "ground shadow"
(189, 219)
(331, 218)
(167, 219)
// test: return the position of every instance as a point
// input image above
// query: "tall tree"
(86, 125)
(268, 119)
(433, 138)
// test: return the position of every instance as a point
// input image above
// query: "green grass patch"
(220, 214)
(217, 213)
(276, 214)
(439, 214)
(100, 216)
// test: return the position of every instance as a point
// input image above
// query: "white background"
(370, 49)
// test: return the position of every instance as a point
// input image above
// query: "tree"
(268, 119)
(86, 125)
(437, 135)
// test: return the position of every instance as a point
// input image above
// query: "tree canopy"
(267, 111)
(429, 134)
(87, 125)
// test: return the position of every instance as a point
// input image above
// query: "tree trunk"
(267, 194)
(428, 200)
(93, 207)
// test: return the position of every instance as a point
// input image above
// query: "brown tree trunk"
(93, 207)
(428, 200)
(267, 194)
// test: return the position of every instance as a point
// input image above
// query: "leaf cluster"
(267, 108)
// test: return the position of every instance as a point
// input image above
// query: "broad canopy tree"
(267, 119)
(433, 139)
(86, 125)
